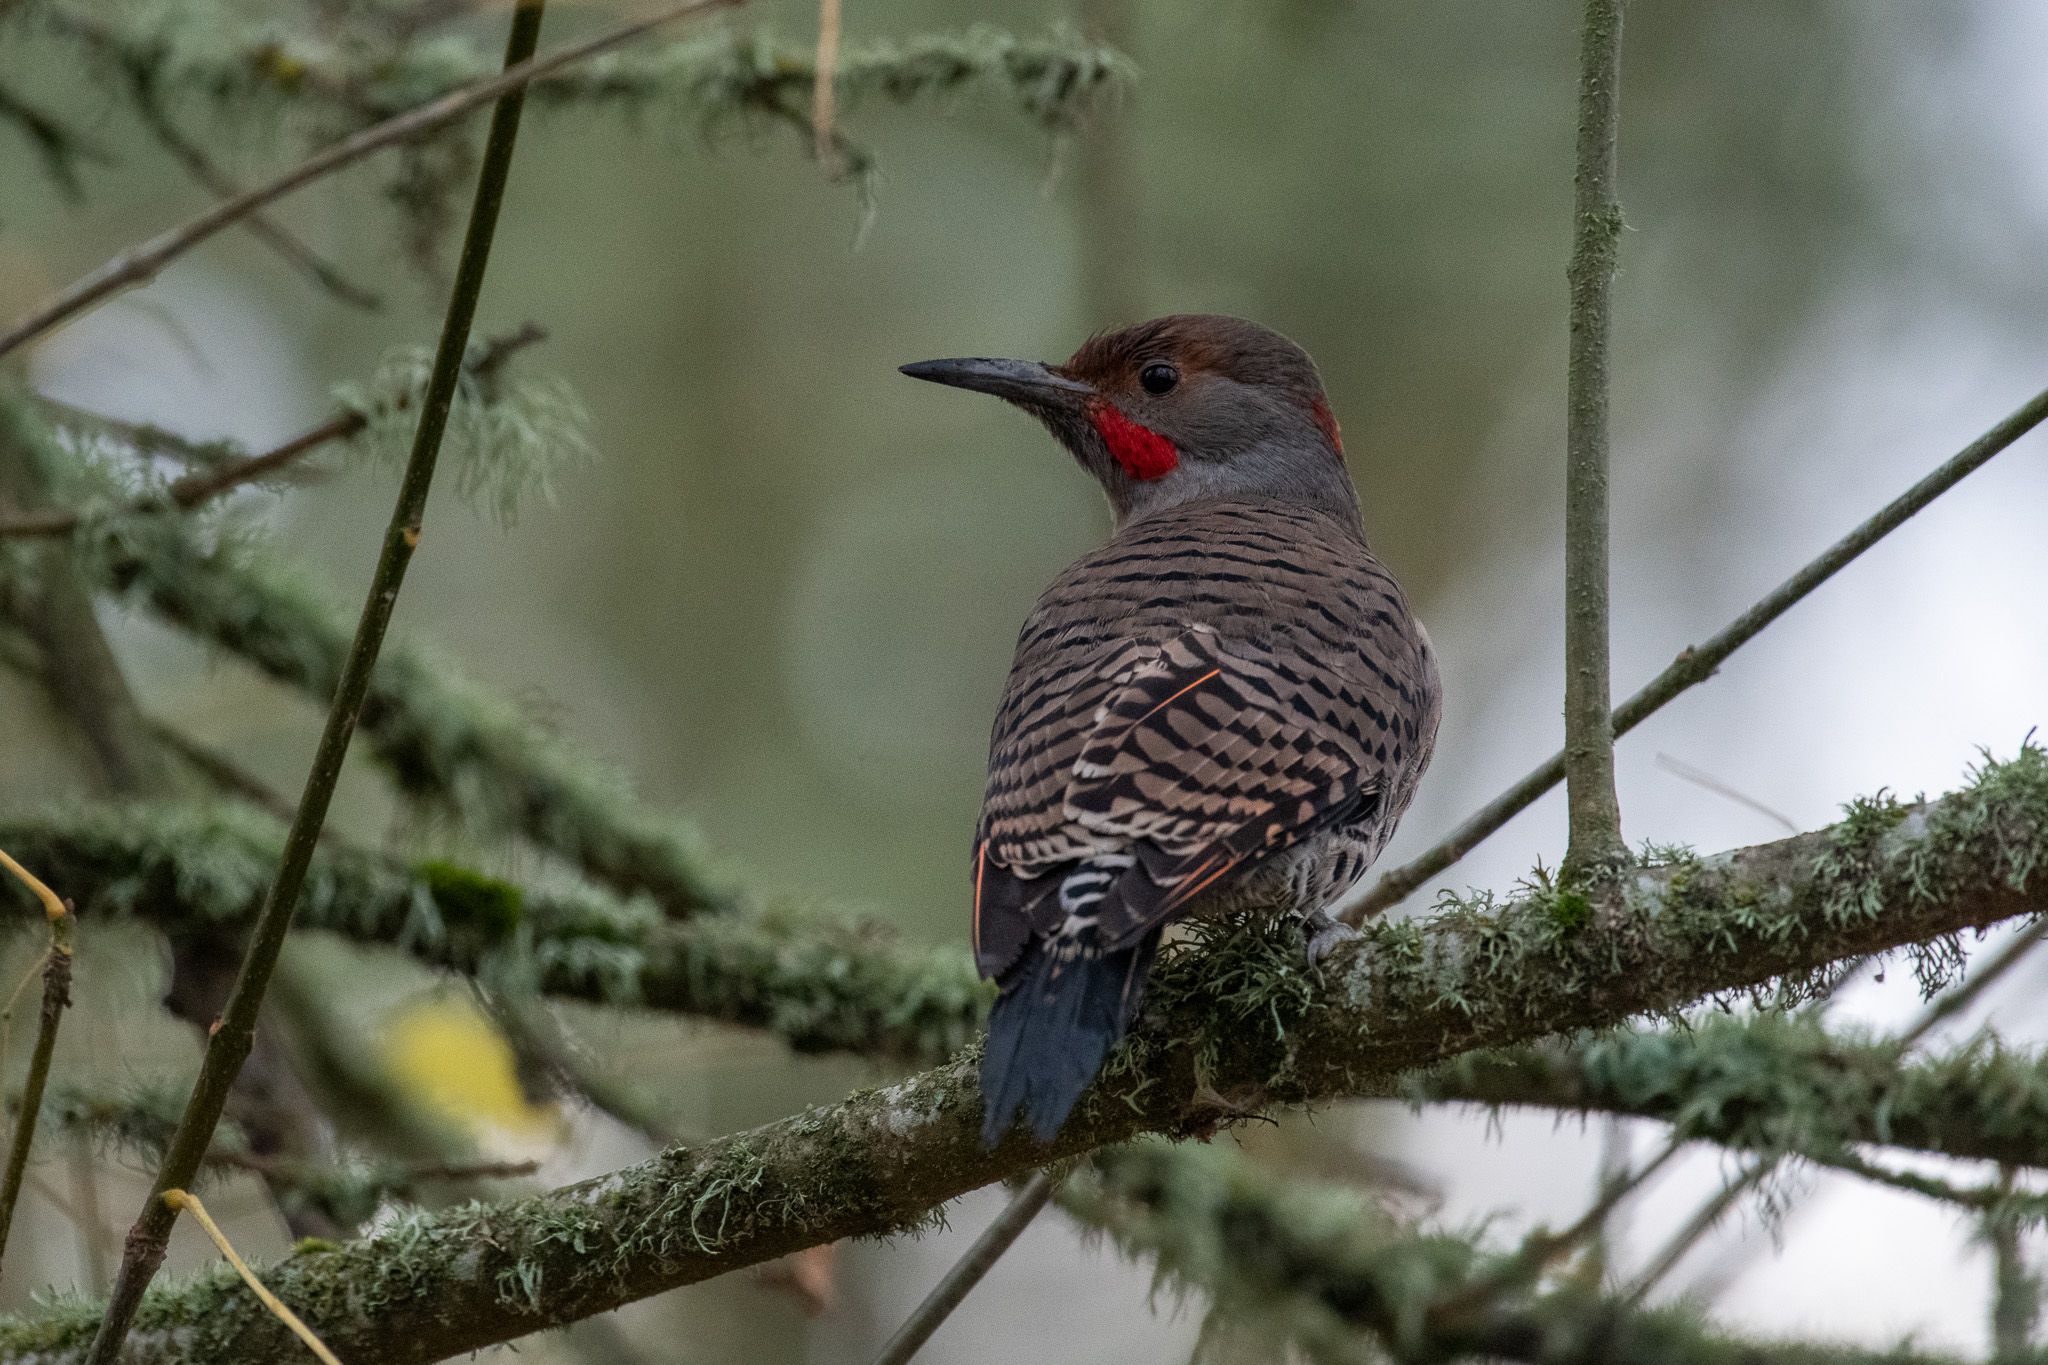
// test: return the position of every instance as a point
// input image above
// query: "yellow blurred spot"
(449, 1057)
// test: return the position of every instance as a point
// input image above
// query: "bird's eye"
(1158, 377)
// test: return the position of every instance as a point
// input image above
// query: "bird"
(1224, 709)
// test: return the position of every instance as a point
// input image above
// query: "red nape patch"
(1327, 420)
(1143, 452)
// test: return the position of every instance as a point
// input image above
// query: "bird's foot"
(1325, 933)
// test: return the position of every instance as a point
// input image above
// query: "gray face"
(1186, 407)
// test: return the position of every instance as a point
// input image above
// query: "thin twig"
(1697, 663)
(967, 1272)
(824, 92)
(142, 262)
(180, 1201)
(202, 485)
(1982, 1198)
(1966, 992)
(232, 1039)
(1706, 781)
(1595, 836)
(1699, 1225)
(408, 1173)
(149, 108)
(1541, 1249)
(145, 440)
(59, 149)
(56, 996)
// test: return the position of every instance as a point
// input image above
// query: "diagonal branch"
(148, 106)
(202, 485)
(231, 1040)
(1697, 663)
(1236, 1017)
(141, 263)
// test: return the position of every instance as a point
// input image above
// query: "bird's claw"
(1325, 934)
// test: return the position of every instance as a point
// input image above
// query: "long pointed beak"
(1020, 381)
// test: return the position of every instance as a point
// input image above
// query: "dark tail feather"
(1051, 1029)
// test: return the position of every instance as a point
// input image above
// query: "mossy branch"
(145, 260)
(1236, 1017)
(370, 411)
(444, 742)
(348, 1187)
(822, 982)
(819, 981)
(1058, 80)
(1321, 1267)
(1773, 1084)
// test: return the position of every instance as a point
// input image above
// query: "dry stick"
(202, 485)
(141, 263)
(56, 995)
(1695, 664)
(1595, 835)
(233, 1037)
(968, 1270)
(824, 91)
(187, 1202)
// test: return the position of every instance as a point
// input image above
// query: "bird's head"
(1183, 407)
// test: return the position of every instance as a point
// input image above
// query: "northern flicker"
(1227, 706)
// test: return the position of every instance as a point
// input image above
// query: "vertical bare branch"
(2015, 1291)
(825, 92)
(1697, 663)
(1596, 215)
(232, 1040)
(56, 996)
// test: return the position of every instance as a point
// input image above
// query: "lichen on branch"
(1225, 1022)
(1775, 1084)
(1288, 1259)
(819, 981)
(445, 742)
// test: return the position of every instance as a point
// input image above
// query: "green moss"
(1288, 1260)
(471, 901)
(818, 980)
(1571, 910)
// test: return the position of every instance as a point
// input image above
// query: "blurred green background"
(783, 598)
